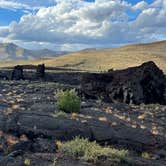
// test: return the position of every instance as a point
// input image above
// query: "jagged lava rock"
(40, 71)
(40, 125)
(135, 85)
(17, 73)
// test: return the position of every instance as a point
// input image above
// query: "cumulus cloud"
(153, 18)
(71, 23)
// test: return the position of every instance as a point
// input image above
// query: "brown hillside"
(101, 60)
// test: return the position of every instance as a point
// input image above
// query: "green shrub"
(68, 101)
(91, 151)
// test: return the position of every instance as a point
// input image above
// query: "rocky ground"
(29, 126)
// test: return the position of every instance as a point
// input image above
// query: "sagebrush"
(68, 101)
(91, 151)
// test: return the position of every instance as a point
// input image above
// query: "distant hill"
(10, 51)
(102, 60)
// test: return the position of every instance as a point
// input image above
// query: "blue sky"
(77, 24)
(7, 16)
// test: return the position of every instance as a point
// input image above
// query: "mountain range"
(10, 51)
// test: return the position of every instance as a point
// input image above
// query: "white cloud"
(140, 5)
(81, 24)
(13, 5)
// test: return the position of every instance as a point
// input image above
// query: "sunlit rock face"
(142, 84)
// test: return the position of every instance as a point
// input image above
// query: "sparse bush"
(27, 162)
(54, 162)
(91, 151)
(145, 155)
(68, 101)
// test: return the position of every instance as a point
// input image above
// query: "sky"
(78, 24)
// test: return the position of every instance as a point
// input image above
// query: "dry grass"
(101, 60)
(91, 151)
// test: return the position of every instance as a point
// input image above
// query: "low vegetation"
(91, 151)
(60, 114)
(145, 155)
(27, 162)
(68, 101)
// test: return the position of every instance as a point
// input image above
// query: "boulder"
(135, 85)
(17, 73)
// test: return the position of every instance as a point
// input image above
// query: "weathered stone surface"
(41, 145)
(43, 125)
(47, 159)
(22, 146)
(17, 73)
(142, 84)
(10, 161)
(63, 129)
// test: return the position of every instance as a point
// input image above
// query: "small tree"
(68, 101)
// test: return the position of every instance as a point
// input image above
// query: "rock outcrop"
(40, 71)
(142, 84)
(35, 125)
(17, 73)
